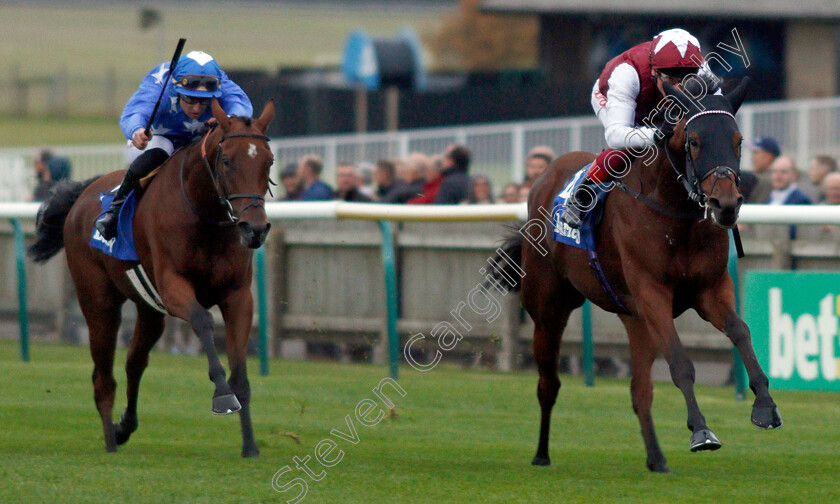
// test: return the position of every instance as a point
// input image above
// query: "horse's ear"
(737, 95)
(220, 115)
(266, 116)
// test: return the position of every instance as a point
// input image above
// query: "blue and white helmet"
(197, 74)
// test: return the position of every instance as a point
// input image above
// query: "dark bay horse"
(195, 230)
(661, 252)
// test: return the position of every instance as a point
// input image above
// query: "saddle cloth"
(584, 237)
(121, 247)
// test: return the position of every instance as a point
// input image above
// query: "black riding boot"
(579, 203)
(139, 168)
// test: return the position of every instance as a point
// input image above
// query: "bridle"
(224, 199)
(690, 179)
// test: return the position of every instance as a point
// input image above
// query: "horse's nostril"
(714, 203)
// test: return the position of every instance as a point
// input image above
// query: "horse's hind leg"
(717, 305)
(147, 331)
(103, 319)
(642, 355)
(550, 307)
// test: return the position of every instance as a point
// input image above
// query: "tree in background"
(477, 41)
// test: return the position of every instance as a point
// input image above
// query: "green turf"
(459, 436)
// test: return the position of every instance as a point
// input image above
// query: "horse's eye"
(693, 142)
(226, 161)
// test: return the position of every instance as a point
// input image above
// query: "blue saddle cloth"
(121, 247)
(585, 236)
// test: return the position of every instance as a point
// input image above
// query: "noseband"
(689, 179)
(257, 200)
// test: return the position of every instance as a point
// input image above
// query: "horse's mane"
(207, 127)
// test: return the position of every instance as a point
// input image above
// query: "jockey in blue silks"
(182, 113)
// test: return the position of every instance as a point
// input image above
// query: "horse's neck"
(659, 182)
(198, 179)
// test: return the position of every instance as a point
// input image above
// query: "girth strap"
(595, 264)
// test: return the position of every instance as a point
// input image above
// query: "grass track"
(461, 436)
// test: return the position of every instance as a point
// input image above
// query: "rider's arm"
(620, 126)
(139, 107)
(234, 101)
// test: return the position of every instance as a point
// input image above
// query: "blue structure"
(378, 63)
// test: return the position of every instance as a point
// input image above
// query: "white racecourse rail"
(330, 210)
(804, 128)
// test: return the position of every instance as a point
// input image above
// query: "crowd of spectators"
(445, 178)
(418, 179)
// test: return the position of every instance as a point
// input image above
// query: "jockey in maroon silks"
(628, 90)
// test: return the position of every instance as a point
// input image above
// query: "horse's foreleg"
(147, 331)
(717, 306)
(179, 298)
(642, 355)
(238, 311)
(655, 306)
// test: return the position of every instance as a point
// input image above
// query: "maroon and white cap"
(675, 48)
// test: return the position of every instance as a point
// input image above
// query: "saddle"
(584, 238)
(122, 247)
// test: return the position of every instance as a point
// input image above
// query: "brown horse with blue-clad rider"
(195, 230)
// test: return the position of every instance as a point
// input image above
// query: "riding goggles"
(194, 82)
(192, 100)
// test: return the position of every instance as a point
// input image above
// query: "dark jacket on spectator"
(354, 195)
(409, 191)
(454, 187)
(430, 191)
(390, 194)
(796, 197)
(59, 168)
(318, 191)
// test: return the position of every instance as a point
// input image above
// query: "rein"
(224, 199)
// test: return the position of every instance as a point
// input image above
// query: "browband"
(707, 112)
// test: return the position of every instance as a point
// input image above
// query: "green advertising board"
(793, 318)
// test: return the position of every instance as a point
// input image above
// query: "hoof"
(658, 465)
(766, 417)
(226, 404)
(661, 469)
(541, 461)
(124, 429)
(253, 452)
(704, 439)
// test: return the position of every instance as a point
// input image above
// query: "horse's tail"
(506, 264)
(49, 225)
